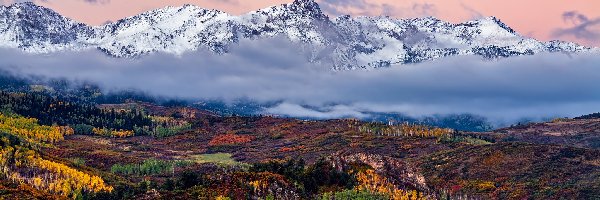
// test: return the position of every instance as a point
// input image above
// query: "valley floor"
(185, 153)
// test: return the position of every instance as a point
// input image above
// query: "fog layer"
(539, 86)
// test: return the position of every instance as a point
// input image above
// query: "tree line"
(87, 118)
(52, 110)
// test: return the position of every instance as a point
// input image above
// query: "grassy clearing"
(475, 141)
(217, 158)
(77, 161)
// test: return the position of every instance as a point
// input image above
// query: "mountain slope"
(344, 42)
(37, 29)
(577, 132)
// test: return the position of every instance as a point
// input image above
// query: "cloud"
(424, 9)
(365, 8)
(343, 7)
(228, 2)
(582, 27)
(574, 17)
(273, 70)
(327, 112)
(474, 14)
(97, 1)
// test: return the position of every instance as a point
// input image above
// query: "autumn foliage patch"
(289, 149)
(229, 139)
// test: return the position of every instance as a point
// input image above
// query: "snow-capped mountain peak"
(346, 42)
(493, 19)
(306, 8)
(37, 29)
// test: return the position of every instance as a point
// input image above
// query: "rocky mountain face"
(346, 42)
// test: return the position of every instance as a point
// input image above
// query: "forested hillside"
(54, 146)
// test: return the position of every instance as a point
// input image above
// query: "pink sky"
(536, 18)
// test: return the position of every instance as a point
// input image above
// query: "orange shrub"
(288, 149)
(229, 139)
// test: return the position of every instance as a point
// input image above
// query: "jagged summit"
(345, 42)
(27, 8)
(23, 4)
(310, 5)
(306, 7)
(499, 23)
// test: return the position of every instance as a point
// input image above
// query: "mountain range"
(345, 42)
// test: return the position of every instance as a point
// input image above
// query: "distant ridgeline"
(590, 116)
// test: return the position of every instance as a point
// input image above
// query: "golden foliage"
(167, 121)
(405, 129)
(22, 165)
(486, 186)
(53, 177)
(28, 129)
(113, 133)
(368, 180)
(222, 198)
(69, 180)
(66, 130)
(122, 133)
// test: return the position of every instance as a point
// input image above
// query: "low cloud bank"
(535, 87)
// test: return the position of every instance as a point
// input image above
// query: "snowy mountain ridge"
(345, 42)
